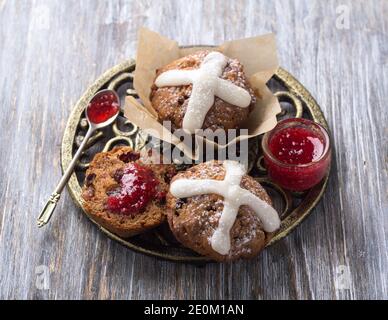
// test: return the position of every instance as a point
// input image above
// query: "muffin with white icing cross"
(204, 90)
(125, 190)
(217, 210)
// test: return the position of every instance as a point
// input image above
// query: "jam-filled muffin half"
(204, 90)
(124, 191)
(199, 219)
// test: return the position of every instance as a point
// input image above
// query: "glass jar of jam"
(297, 153)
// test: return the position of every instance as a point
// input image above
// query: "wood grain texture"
(51, 50)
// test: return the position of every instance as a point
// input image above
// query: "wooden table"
(51, 50)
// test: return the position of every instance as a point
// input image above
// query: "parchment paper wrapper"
(258, 55)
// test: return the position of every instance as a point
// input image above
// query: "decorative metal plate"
(296, 101)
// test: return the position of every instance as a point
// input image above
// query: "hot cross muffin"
(212, 103)
(200, 216)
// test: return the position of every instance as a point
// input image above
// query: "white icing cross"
(234, 197)
(206, 84)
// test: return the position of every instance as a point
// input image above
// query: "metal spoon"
(48, 209)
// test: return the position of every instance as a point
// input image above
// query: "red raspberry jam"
(138, 186)
(297, 153)
(103, 106)
(296, 145)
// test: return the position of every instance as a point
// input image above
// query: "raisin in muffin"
(193, 220)
(124, 191)
(170, 102)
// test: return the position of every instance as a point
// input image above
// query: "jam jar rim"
(298, 121)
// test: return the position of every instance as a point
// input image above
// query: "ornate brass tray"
(296, 101)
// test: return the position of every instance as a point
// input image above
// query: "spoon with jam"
(101, 111)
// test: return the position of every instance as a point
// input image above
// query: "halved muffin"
(124, 191)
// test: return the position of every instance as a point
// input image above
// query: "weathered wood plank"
(55, 49)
